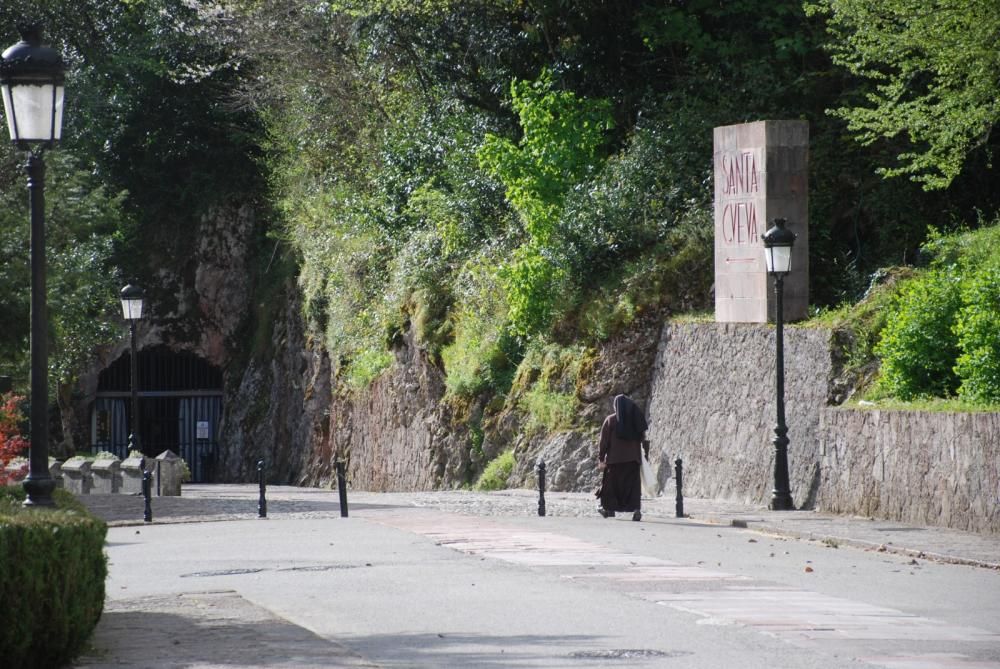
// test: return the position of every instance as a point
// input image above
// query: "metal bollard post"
(679, 477)
(147, 484)
(262, 501)
(342, 488)
(541, 487)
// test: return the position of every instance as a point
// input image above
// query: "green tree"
(561, 145)
(82, 221)
(932, 67)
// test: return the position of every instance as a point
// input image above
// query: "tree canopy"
(491, 175)
(931, 68)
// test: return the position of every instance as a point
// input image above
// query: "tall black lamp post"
(132, 311)
(778, 242)
(32, 81)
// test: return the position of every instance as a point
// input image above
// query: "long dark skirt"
(621, 487)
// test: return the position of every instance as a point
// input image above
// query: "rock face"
(277, 406)
(622, 365)
(397, 434)
(199, 307)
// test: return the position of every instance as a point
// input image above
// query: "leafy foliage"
(977, 327)
(52, 573)
(82, 223)
(494, 177)
(941, 332)
(917, 347)
(12, 442)
(491, 175)
(560, 146)
(933, 68)
(497, 472)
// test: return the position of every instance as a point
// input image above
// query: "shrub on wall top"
(942, 333)
(918, 348)
(977, 328)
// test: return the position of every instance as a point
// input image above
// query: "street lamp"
(132, 311)
(31, 79)
(778, 242)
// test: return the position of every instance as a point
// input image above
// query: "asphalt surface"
(275, 619)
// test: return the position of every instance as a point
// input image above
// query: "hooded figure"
(630, 423)
(619, 455)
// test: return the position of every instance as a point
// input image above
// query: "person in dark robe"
(623, 437)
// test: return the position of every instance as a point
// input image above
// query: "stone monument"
(761, 173)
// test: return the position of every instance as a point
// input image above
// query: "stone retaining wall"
(914, 466)
(713, 405)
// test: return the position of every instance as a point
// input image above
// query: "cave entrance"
(180, 404)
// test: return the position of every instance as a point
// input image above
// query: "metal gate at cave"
(180, 406)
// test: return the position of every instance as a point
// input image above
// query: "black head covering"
(631, 423)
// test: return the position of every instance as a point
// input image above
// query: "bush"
(52, 572)
(546, 385)
(12, 444)
(483, 353)
(977, 328)
(497, 472)
(918, 348)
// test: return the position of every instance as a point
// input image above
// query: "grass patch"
(497, 472)
(552, 410)
(929, 404)
(366, 366)
(545, 386)
(694, 317)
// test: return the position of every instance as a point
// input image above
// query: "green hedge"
(52, 573)
(918, 348)
(942, 333)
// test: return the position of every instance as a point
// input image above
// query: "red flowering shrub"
(12, 443)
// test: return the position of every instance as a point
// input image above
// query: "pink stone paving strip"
(932, 661)
(800, 617)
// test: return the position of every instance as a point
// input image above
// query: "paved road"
(462, 579)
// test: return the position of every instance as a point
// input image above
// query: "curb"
(764, 527)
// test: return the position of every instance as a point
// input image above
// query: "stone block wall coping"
(132, 464)
(77, 465)
(106, 465)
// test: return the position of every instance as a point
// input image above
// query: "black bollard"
(342, 488)
(147, 484)
(679, 477)
(262, 501)
(541, 487)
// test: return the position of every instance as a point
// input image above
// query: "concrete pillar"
(761, 173)
(105, 476)
(169, 473)
(55, 471)
(131, 471)
(77, 476)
